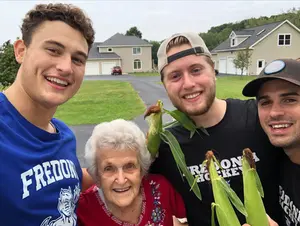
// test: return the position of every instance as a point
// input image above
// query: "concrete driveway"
(149, 89)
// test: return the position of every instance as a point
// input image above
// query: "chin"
(124, 203)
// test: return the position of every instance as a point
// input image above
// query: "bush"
(8, 64)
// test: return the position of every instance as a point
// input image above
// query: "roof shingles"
(124, 40)
(116, 40)
(95, 54)
(225, 46)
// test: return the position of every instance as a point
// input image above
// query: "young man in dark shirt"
(188, 75)
(278, 95)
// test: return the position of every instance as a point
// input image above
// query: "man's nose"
(276, 111)
(64, 65)
(188, 81)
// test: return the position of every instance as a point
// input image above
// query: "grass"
(99, 101)
(144, 74)
(232, 86)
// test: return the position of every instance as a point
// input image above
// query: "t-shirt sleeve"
(80, 209)
(83, 209)
(177, 204)
(175, 200)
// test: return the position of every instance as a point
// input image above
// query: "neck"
(28, 108)
(293, 154)
(213, 116)
(129, 214)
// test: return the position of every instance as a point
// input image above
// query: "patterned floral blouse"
(160, 203)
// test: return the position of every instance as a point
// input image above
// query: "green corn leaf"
(154, 118)
(203, 130)
(184, 120)
(235, 200)
(225, 219)
(213, 218)
(252, 196)
(170, 124)
(258, 184)
(225, 213)
(179, 158)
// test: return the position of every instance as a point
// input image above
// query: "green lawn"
(145, 74)
(99, 101)
(232, 86)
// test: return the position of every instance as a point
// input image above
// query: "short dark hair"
(67, 13)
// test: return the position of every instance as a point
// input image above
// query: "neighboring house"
(130, 52)
(266, 43)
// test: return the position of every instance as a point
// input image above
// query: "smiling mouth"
(57, 81)
(191, 96)
(281, 126)
(121, 190)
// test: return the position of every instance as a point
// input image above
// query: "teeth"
(190, 96)
(280, 126)
(121, 189)
(56, 80)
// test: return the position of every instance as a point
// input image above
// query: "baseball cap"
(285, 69)
(198, 48)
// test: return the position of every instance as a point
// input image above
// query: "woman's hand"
(176, 222)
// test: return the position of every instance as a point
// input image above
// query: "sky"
(155, 19)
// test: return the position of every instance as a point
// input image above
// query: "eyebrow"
(63, 47)
(281, 95)
(189, 67)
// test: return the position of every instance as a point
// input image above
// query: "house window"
(233, 42)
(137, 64)
(109, 49)
(284, 39)
(136, 50)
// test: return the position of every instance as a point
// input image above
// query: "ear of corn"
(185, 121)
(154, 116)
(223, 196)
(253, 192)
(179, 158)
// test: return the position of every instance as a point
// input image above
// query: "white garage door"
(107, 66)
(230, 66)
(92, 68)
(222, 65)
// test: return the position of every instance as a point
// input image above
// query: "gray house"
(266, 43)
(130, 52)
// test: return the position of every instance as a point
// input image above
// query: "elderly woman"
(124, 194)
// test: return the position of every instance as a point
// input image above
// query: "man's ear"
(20, 50)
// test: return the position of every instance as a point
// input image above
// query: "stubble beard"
(199, 111)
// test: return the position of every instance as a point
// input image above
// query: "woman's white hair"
(119, 135)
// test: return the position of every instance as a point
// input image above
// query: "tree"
(8, 64)
(242, 60)
(155, 46)
(134, 31)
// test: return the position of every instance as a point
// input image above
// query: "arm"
(87, 180)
